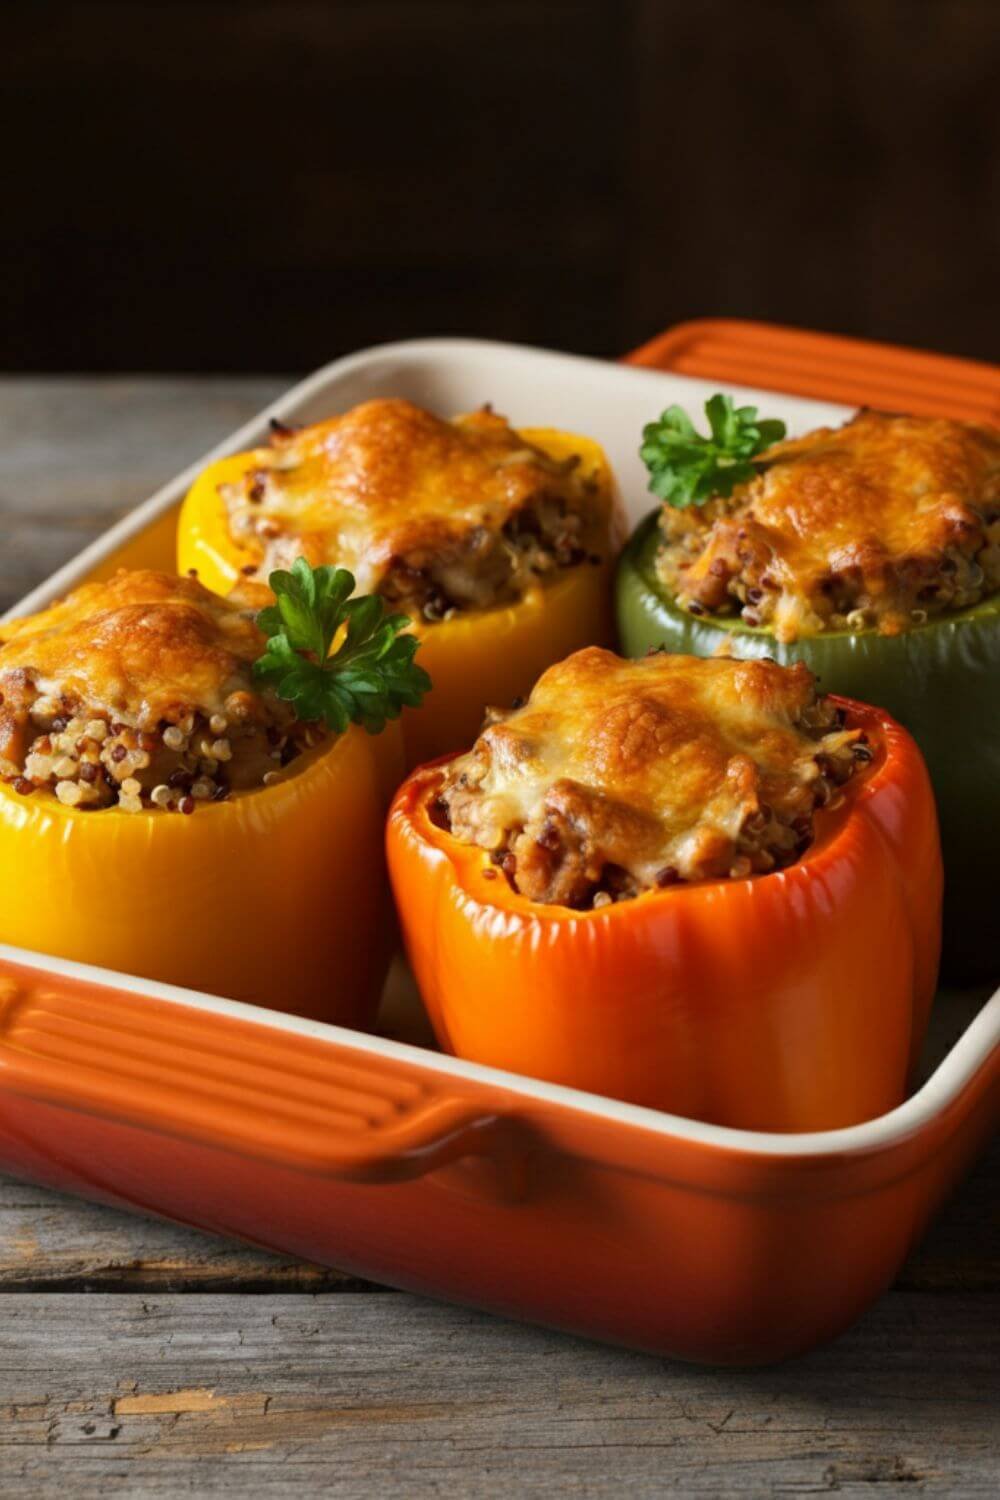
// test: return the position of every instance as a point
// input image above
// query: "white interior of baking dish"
(532, 387)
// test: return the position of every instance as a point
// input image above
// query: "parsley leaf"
(688, 469)
(371, 675)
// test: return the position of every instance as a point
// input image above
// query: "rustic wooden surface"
(143, 1359)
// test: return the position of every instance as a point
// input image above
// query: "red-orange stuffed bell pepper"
(687, 883)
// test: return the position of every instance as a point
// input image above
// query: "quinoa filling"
(89, 759)
(557, 855)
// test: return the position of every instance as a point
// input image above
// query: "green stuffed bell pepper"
(937, 672)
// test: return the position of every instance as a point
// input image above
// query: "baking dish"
(446, 1177)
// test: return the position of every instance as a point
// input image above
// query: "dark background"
(257, 185)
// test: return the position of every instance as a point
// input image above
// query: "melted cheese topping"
(141, 647)
(139, 692)
(621, 775)
(880, 522)
(451, 514)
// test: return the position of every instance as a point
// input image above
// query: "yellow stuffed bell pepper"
(498, 543)
(165, 811)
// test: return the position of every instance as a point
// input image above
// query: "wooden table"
(142, 1359)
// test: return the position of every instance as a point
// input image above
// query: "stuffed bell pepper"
(498, 544)
(871, 553)
(183, 795)
(690, 884)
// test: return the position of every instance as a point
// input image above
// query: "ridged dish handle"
(262, 1091)
(827, 367)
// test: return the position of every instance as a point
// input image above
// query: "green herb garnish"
(688, 469)
(368, 679)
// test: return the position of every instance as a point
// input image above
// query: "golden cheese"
(139, 692)
(620, 775)
(879, 522)
(141, 647)
(450, 514)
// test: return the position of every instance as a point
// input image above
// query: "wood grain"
(75, 455)
(50, 1242)
(394, 1396)
(145, 1359)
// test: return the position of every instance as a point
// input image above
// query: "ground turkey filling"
(580, 841)
(322, 493)
(489, 568)
(880, 524)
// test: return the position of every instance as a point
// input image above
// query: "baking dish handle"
(827, 367)
(265, 1092)
(444, 1131)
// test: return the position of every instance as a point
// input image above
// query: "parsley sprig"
(688, 469)
(368, 679)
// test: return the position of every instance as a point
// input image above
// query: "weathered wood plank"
(76, 454)
(391, 1395)
(50, 1242)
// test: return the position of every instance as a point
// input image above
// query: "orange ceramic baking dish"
(449, 1177)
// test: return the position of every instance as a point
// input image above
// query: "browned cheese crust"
(619, 776)
(139, 692)
(878, 524)
(435, 515)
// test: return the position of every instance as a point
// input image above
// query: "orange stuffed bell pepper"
(498, 544)
(686, 883)
(168, 810)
